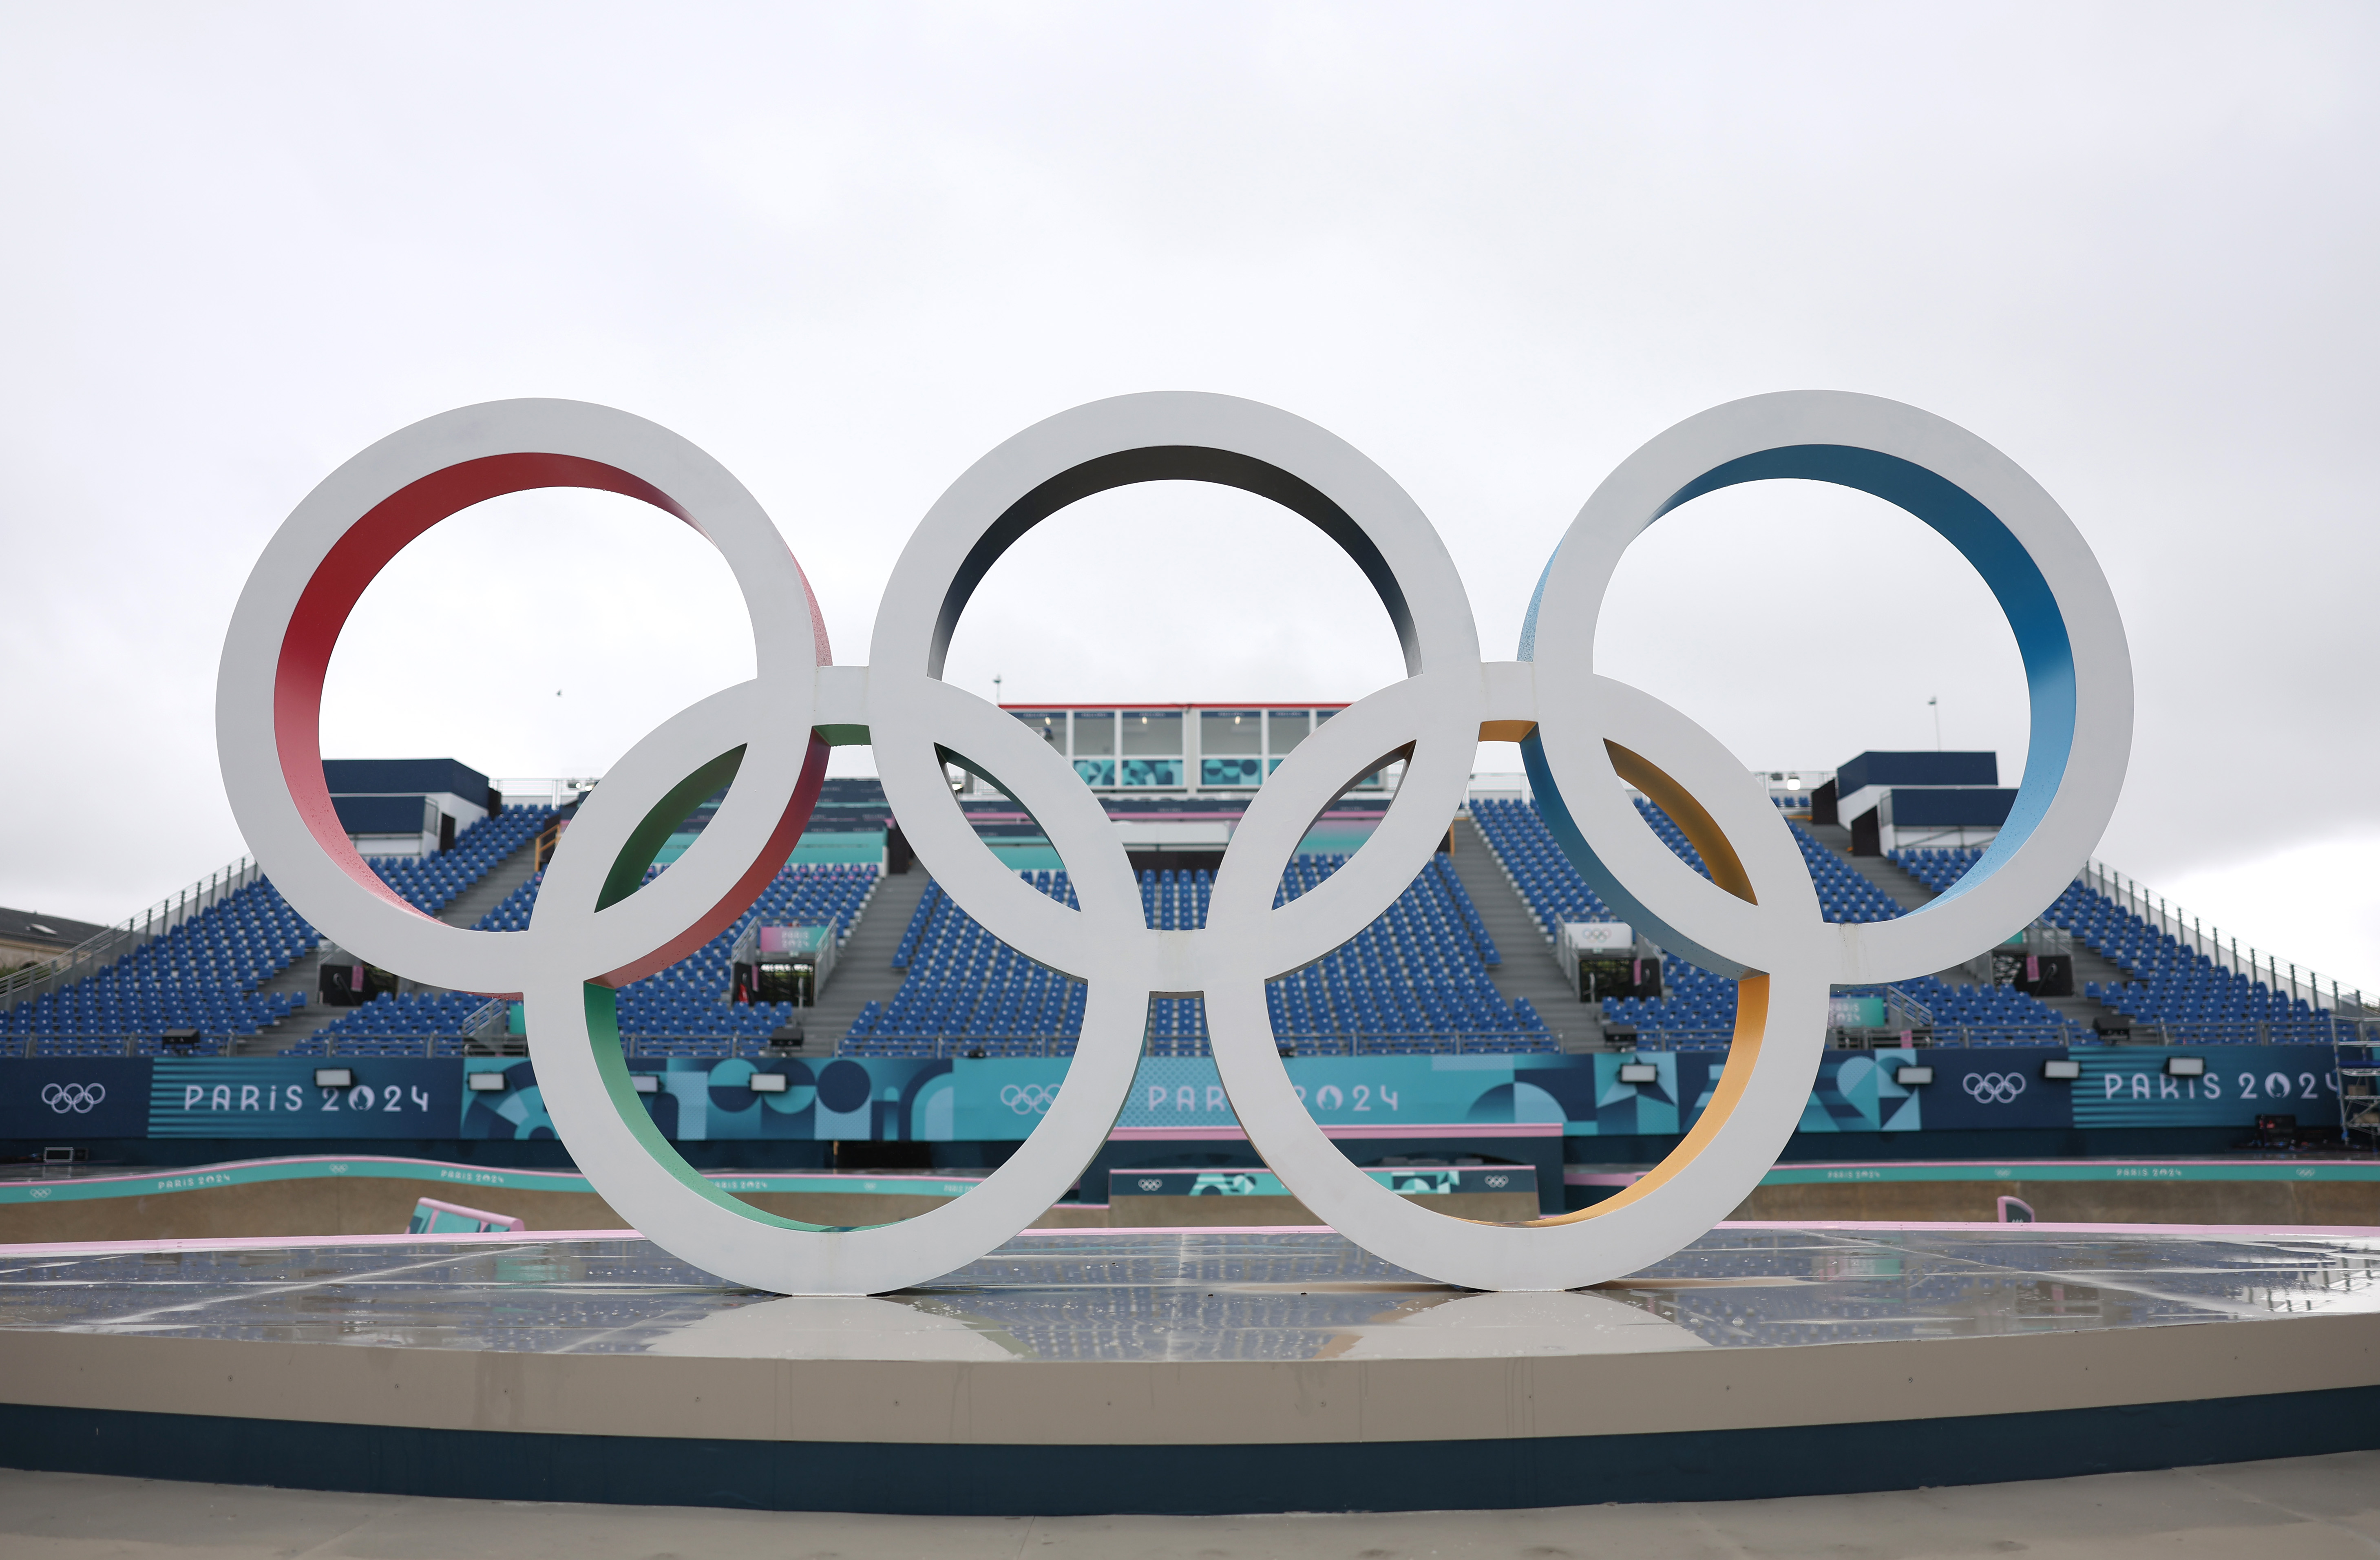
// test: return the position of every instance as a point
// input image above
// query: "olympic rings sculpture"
(1585, 740)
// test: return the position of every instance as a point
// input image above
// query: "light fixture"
(2061, 1069)
(484, 1083)
(334, 1078)
(646, 1083)
(2185, 1067)
(768, 1082)
(1639, 1072)
(1913, 1077)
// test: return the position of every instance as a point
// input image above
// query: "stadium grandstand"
(228, 968)
(1413, 981)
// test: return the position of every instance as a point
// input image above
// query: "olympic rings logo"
(1585, 739)
(1027, 1100)
(1151, 1183)
(77, 1098)
(1994, 1088)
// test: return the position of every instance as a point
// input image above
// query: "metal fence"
(2305, 984)
(106, 947)
(147, 1044)
(2302, 1032)
(1466, 1042)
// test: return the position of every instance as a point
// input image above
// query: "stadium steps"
(301, 977)
(863, 968)
(465, 908)
(1528, 968)
(2090, 966)
(1908, 893)
(1889, 880)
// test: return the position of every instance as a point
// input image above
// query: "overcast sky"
(847, 249)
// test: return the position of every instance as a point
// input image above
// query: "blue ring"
(1982, 538)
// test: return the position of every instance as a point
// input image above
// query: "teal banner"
(1655, 1094)
(2123, 1086)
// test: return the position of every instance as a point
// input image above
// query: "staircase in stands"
(863, 968)
(1910, 894)
(1528, 968)
(303, 974)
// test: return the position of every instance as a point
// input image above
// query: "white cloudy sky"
(847, 249)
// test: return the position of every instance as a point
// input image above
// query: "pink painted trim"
(1364, 814)
(1333, 706)
(2229, 1231)
(155, 1172)
(842, 1175)
(2094, 1159)
(534, 1237)
(509, 1222)
(283, 1242)
(1236, 1134)
(1628, 1178)
(1191, 1229)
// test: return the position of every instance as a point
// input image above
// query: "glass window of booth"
(1152, 733)
(1231, 733)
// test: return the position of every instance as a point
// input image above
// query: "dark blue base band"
(1068, 1481)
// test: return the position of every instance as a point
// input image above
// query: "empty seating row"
(204, 973)
(1556, 892)
(2184, 993)
(1414, 980)
(201, 975)
(685, 1009)
(430, 883)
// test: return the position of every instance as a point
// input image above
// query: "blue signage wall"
(47, 1097)
(696, 1100)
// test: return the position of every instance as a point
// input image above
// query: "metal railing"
(1903, 1011)
(325, 1045)
(543, 790)
(2355, 1064)
(106, 947)
(723, 1048)
(2303, 984)
(490, 1023)
(2301, 1032)
(1656, 1037)
(143, 1043)
(1337, 1043)
(2243, 1032)
(1653, 1038)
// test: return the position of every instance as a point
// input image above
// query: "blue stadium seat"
(1413, 981)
